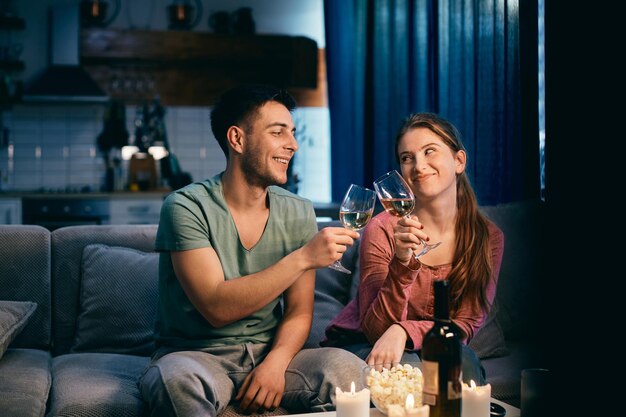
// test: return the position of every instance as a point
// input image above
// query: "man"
(231, 247)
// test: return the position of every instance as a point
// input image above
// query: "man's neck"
(240, 195)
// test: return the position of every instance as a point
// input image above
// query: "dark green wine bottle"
(441, 360)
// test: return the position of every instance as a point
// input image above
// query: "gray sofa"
(77, 309)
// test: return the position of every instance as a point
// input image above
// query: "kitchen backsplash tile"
(55, 140)
(53, 179)
(55, 148)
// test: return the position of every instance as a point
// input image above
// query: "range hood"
(64, 80)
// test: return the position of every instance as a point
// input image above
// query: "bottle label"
(430, 391)
(430, 370)
(454, 391)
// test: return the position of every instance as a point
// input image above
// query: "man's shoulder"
(294, 212)
(287, 196)
(195, 190)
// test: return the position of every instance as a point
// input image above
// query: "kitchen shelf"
(193, 68)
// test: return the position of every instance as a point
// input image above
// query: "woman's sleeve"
(385, 286)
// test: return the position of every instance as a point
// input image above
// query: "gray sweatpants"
(203, 382)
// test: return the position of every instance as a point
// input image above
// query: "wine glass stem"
(422, 241)
(420, 253)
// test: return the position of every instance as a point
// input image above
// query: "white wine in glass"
(397, 198)
(357, 208)
(355, 220)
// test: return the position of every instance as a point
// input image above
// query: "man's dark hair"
(237, 107)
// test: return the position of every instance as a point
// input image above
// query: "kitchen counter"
(58, 209)
(85, 195)
(125, 207)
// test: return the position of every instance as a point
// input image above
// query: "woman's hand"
(388, 349)
(406, 234)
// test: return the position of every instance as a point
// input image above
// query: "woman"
(393, 310)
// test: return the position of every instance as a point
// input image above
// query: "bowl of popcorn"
(389, 388)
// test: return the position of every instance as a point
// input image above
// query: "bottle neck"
(442, 310)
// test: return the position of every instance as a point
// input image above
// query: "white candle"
(395, 410)
(352, 404)
(475, 401)
(412, 411)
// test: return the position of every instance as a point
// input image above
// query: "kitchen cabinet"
(58, 210)
(10, 62)
(10, 211)
(54, 211)
(133, 210)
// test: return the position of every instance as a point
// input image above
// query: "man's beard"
(255, 173)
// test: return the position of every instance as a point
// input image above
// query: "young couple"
(234, 245)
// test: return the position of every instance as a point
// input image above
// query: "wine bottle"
(441, 360)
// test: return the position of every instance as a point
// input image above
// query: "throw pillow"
(489, 342)
(14, 316)
(118, 300)
(333, 290)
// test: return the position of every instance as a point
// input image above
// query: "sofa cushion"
(118, 300)
(504, 373)
(489, 341)
(25, 265)
(96, 384)
(519, 294)
(13, 317)
(67, 245)
(25, 381)
(333, 290)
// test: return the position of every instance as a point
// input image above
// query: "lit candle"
(352, 404)
(412, 411)
(475, 402)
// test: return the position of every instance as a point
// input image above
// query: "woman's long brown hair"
(471, 265)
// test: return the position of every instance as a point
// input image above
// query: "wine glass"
(397, 198)
(356, 210)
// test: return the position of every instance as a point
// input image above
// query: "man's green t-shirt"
(196, 216)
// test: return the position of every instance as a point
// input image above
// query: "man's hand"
(328, 245)
(388, 349)
(262, 389)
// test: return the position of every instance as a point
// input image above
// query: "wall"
(53, 147)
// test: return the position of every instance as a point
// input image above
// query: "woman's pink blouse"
(392, 293)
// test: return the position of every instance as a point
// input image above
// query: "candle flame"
(352, 388)
(410, 402)
(95, 8)
(472, 385)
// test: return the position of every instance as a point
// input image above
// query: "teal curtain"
(472, 61)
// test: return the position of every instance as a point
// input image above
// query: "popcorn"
(391, 386)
